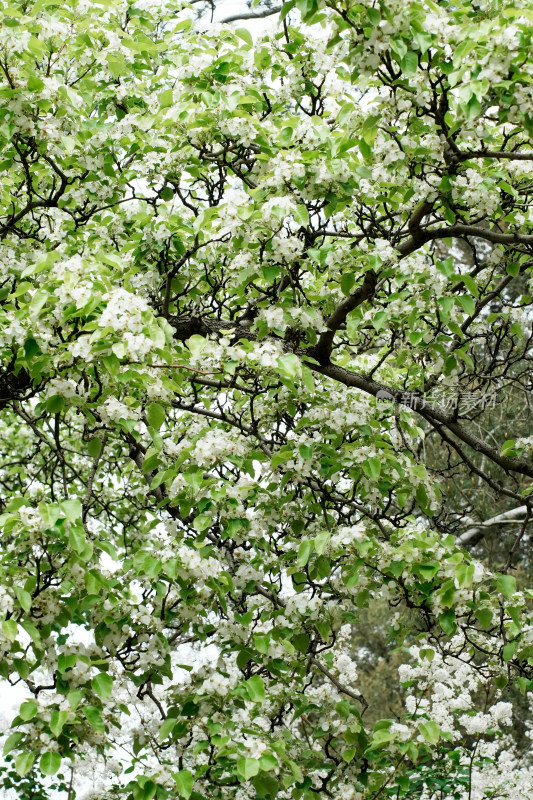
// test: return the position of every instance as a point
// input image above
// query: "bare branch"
(341, 687)
(494, 154)
(267, 12)
(459, 231)
(513, 516)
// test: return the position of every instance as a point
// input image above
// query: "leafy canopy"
(241, 357)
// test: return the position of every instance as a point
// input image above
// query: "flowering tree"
(243, 362)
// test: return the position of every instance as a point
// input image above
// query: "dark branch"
(323, 349)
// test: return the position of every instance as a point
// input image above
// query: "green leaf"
(321, 542)
(116, 66)
(428, 653)
(94, 447)
(94, 718)
(248, 767)
(167, 727)
(286, 8)
(58, 720)
(347, 283)
(10, 629)
(76, 539)
(308, 379)
(111, 363)
(349, 754)
(55, 404)
(166, 99)
(50, 763)
(464, 574)
(166, 193)
(146, 791)
(467, 303)
(484, 616)
(256, 688)
(290, 365)
(24, 763)
(301, 215)
(473, 108)
(12, 741)
(31, 630)
(196, 344)
(372, 468)
(508, 447)
(501, 681)
(409, 63)
(41, 263)
(430, 731)
(304, 552)
(102, 685)
(447, 622)
(28, 710)
(266, 786)
(23, 597)
(427, 571)
(202, 522)
(365, 149)
(374, 16)
(379, 319)
(74, 698)
(382, 735)
(301, 642)
(506, 584)
(184, 782)
(508, 651)
(35, 84)
(155, 414)
(296, 770)
(268, 761)
(245, 35)
(21, 289)
(471, 285)
(72, 509)
(261, 643)
(422, 498)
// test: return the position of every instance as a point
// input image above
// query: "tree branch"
(432, 412)
(343, 689)
(458, 231)
(476, 532)
(322, 351)
(267, 12)
(462, 156)
(186, 327)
